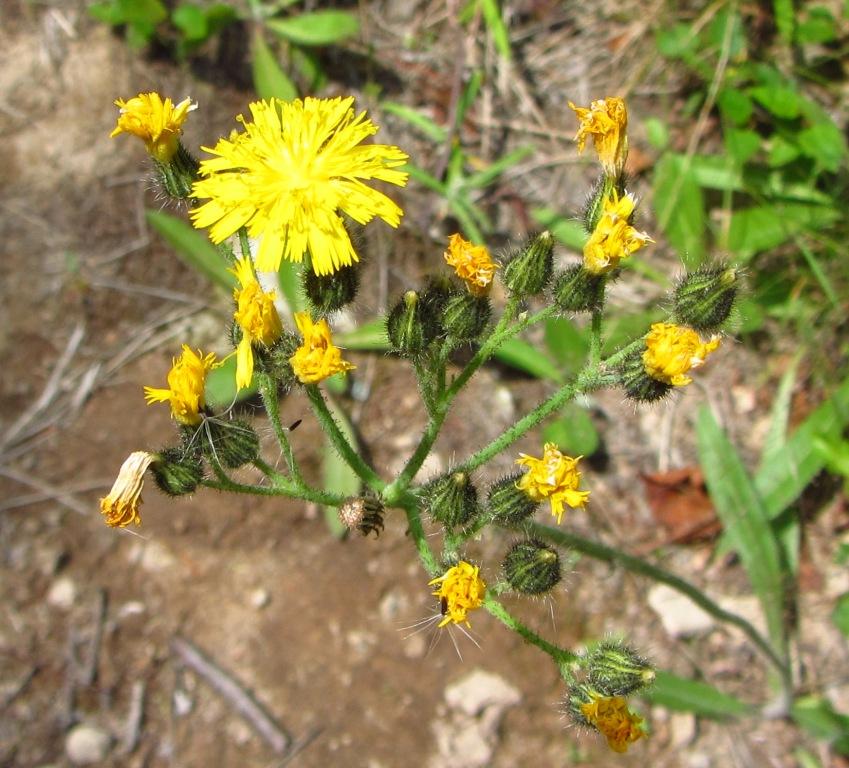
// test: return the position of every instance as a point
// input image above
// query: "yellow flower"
(186, 381)
(156, 122)
(121, 506)
(611, 716)
(554, 477)
(606, 120)
(461, 590)
(613, 238)
(290, 174)
(472, 263)
(672, 350)
(256, 315)
(316, 358)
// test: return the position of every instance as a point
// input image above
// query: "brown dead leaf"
(679, 502)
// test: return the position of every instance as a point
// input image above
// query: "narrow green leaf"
(485, 177)
(338, 477)
(680, 209)
(683, 695)
(289, 280)
(468, 96)
(744, 519)
(779, 416)
(568, 344)
(370, 336)
(840, 614)
(819, 718)
(415, 118)
(220, 386)
(316, 28)
(526, 357)
(270, 81)
(425, 179)
(192, 247)
(785, 19)
(570, 232)
(495, 23)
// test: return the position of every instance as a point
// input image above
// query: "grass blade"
(683, 695)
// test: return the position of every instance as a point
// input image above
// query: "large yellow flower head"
(672, 350)
(461, 589)
(121, 506)
(611, 716)
(156, 122)
(472, 263)
(606, 120)
(316, 358)
(554, 477)
(186, 382)
(287, 178)
(613, 238)
(257, 317)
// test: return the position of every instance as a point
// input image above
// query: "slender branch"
(595, 339)
(271, 400)
(416, 531)
(561, 656)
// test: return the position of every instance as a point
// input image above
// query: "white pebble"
(62, 593)
(87, 744)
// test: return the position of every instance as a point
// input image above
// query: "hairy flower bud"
(465, 316)
(231, 443)
(363, 513)
(529, 270)
(704, 299)
(614, 669)
(451, 499)
(176, 472)
(532, 567)
(577, 290)
(637, 383)
(508, 505)
(277, 360)
(178, 175)
(411, 325)
(328, 293)
(594, 205)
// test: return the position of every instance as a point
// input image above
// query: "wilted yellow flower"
(256, 315)
(611, 716)
(554, 477)
(672, 350)
(472, 263)
(186, 382)
(121, 506)
(156, 122)
(288, 177)
(613, 238)
(606, 120)
(316, 358)
(461, 590)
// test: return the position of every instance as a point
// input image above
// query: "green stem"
(608, 554)
(416, 531)
(244, 243)
(561, 656)
(595, 339)
(331, 429)
(268, 391)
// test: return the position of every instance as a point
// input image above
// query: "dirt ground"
(94, 306)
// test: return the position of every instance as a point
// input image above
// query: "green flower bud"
(614, 669)
(577, 290)
(704, 299)
(178, 175)
(636, 382)
(451, 499)
(594, 205)
(528, 271)
(176, 472)
(465, 316)
(532, 567)
(275, 361)
(579, 695)
(506, 504)
(410, 326)
(365, 513)
(327, 293)
(231, 443)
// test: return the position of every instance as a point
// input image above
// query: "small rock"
(503, 406)
(415, 646)
(682, 729)
(747, 606)
(392, 604)
(361, 642)
(183, 703)
(260, 598)
(461, 743)
(698, 760)
(680, 616)
(151, 556)
(87, 744)
(131, 608)
(480, 690)
(62, 593)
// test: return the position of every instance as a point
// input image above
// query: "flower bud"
(231, 443)
(614, 669)
(532, 567)
(410, 326)
(277, 360)
(594, 206)
(506, 504)
(451, 499)
(637, 383)
(528, 271)
(704, 299)
(577, 290)
(465, 316)
(177, 175)
(363, 513)
(327, 293)
(176, 472)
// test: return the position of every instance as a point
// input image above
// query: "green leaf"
(316, 28)
(485, 177)
(834, 454)
(785, 19)
(370, 336)
(574, 432)
(819, 27)
(289, 280)
(735, 105)
(716, 172)
(657, 132)
(782, 150)
(680, 209)
(673, 42)
(570, 232)
(825, 143)
(763, 227)
(817, 716)
(776, 437)
(524, 356)
(193, 248)
(467, 97)
(781, 101)
(683, 695)
(741, 145)
(840, 614)
(621, 329)
(568, 344)
(744, 519)
(191, 21)
(495, 23)
(270, 81)
(415, 118)
(337, 476)
(220, 385)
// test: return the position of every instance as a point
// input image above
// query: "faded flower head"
(673, 350)
(156, 122)
(461, 589)
(256, 316)
(612, 718)
(472, 263)
(317, 357)
(613, 238)
(121, 506)
(554, 477)
(186, 382)
(287, 178)
(606, 120)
